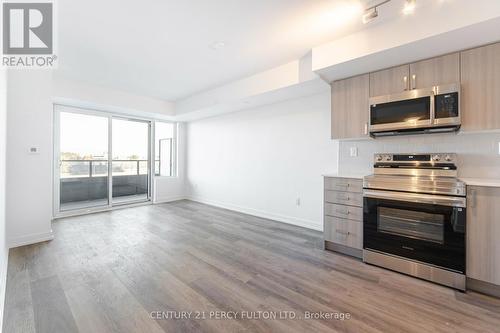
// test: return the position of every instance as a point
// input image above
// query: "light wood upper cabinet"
(350, 107)
(435, 71)
(478, 71)
(389, 81)
(480, 97)
(483, 233)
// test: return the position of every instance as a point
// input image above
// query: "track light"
(372, 12)
(409, 7)
(369, 15)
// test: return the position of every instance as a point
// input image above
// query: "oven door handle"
(417, 198)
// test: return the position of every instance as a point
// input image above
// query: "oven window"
(409, 223)
(400, 112)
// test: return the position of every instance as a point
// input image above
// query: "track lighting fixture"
(372, 12)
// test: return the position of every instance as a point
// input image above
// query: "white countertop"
(490, 182)
(344, 175)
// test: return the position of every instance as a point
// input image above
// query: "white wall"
(29, 181)
(4, 252)
(477, 153)
(261, 160)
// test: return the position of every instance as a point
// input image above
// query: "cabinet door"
(435, 71)
(483, 234)
(350, 107)
(480, 100)
(389, 81)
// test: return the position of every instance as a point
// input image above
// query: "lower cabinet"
(343, 215)
(483, 234)
(345, 232)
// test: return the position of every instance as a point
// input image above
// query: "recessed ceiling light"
(409, 7)
(218, 45)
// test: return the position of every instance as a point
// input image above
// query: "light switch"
(354, 151)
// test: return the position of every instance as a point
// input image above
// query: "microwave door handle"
(433, 109)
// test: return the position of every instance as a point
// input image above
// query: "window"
(165, 149)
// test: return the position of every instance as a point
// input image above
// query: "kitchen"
(434, 175)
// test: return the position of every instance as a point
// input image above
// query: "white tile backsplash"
(478, 153)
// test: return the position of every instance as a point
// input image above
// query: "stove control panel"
(448, 158)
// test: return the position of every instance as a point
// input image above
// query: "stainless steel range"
(414, 217)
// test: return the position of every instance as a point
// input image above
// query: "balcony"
(84, 183)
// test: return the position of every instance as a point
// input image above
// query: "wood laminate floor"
(114, 271)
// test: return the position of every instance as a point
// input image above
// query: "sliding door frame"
(57, 109)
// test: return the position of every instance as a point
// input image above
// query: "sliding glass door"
(131, 163)
(101, 160)
(83, 161)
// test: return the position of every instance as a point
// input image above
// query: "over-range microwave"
(430, 110)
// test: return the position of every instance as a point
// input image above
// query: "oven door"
(426, 228)
(408, 110)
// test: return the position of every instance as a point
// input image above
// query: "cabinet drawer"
(344, 184)
(345, 232)
(345, 212)
(344, 198)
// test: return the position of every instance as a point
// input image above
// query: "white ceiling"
(161, 48)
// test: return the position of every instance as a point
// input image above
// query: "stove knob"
(379, 157)
(388, 158)
(447, 158)
(436, 157)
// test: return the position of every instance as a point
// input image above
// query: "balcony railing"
(84, 181)
(77, 168)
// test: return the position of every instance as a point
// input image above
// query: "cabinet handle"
(343, 197)
(413, 81)
(345, 212)
(366, 128)
(345, 233)
(405, 80)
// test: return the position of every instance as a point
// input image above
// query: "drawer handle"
(345, 233)
(343, 196)
(345, 212)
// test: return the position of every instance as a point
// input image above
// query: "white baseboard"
(3, 283)
(31, 239)
(309, 224)
(169, 199)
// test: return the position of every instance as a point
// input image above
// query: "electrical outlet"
(33, 150)
(353, 151)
